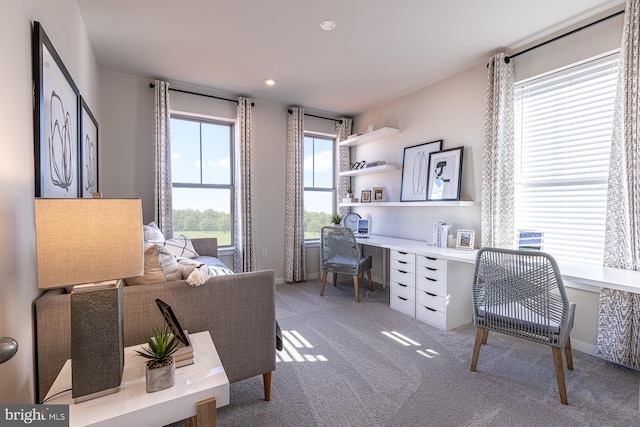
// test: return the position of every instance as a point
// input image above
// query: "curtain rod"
(507, 59)
(319, 117)
(151, 85)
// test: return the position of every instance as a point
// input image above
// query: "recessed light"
(270, 82)
(328, 25)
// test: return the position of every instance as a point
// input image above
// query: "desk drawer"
(404, 291)
(430, 262)
(401, 304)
(407, 267)
(431, 273)
(435, 318)
(432, 301)
(408, 279)
(437, 287)
(402, 256)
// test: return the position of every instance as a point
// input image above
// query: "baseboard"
(584, 347)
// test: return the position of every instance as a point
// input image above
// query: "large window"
(319, 192)
(563, 124)
(202, 175)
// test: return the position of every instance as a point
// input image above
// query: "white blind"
(563, 124)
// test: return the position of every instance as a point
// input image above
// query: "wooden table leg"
(205, 414)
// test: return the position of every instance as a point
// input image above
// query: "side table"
(200, 388)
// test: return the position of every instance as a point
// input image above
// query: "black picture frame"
(445, 174)
(415, 171)
(172, 321)
(89, 178)
(56, 112)
(365, 196)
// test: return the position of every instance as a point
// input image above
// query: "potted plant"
(336, 219)
(161, 368)
(349, 192)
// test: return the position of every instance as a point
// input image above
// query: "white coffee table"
(200, 388)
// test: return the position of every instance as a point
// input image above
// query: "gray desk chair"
(340, 254)
(521, 293)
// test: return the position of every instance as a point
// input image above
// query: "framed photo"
(378, 194)
(465, 239)
(172, 322)
(88, 151)
(445, 173)
(365, 196)
(415, 171)
(55, 118)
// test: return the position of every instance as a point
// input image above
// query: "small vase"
(161, 378)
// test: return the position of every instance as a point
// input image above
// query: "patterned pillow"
(152, 233)
(159, 266)
(181, 247)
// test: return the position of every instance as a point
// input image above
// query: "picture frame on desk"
(378, 194)
(365, 196)
(465, 239)
(445, 174)
(415, 171)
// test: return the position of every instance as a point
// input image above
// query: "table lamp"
(91, 244)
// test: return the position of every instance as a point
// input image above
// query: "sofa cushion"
(152, 233)
(181, 247)
(216, 266)
(160, 265)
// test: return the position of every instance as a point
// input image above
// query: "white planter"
(161, 378)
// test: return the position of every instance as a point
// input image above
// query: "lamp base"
(97, 340)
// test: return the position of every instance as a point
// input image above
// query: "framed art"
(415, 171)
(378, 194)
(465, 239)
(55, 122)
(88, 151)
(365, 196)
(445, 173)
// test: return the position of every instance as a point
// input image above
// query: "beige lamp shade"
(82, 241)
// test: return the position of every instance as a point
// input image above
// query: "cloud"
(323, 163)
(220, 163)
(176, 156)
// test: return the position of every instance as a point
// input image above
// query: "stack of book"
(375, 163)
(441, 233)
(184, 355)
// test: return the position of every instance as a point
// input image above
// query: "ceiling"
(379, 51)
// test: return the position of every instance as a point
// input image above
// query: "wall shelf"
(373, 169)
(434, 203)
(368, 137)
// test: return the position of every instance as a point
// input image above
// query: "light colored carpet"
(354, 374)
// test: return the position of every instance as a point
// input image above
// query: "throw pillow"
(152, 233)
(159, 266)
(181, 247)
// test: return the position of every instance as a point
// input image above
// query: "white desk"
(133, 406)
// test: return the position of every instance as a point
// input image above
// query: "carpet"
(364, 364)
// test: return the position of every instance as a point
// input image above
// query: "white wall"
(63, 24)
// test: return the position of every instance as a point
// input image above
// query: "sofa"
(238, 310)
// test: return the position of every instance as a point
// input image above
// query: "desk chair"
(521, 293)
(340, 253)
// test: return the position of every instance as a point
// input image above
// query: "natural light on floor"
(293, 347)
(407, 342)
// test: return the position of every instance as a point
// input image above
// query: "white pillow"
(152, 233)
(181, 247)
(159, 266)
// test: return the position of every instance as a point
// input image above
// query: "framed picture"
(445, 172)
(465, 239)
(378, 194)
(365, 196)
(172, 321)
(55, 118)
(88, 151)
(415, 171)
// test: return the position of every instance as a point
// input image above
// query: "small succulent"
(161, 345)
(349, 190)
(336, 218)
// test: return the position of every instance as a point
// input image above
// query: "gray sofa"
(238, 311)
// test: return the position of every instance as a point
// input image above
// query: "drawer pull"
(402, 253)
(400, 284)
(429, 293)
(432, 259)
(400, 271)
(430, 309)
(404, 299)
(402, 262)
(430, 269)
(429, 278)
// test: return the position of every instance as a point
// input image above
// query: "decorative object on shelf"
(88, 151)
(363, 228)
(336, 218)
(8, 348)
(530, 240)
(365, 196)
(465, 239)
(445, 174)
(351, 221)
(55, 122)
(358, 165)
(375, 163)
(349, 192)
(415, 171)
(441, 233)
(161, 368)
(370, 128)
(378, 194)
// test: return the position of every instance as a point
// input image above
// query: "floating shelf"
(368, 137)
(434, 203)
(373, 169)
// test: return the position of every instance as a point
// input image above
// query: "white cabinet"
(402, 277)
(443, 292)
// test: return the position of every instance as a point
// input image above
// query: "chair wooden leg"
(324, 280)
(355, 287)
(557, 361)
(476, 348)
(485, 335)
(568, 354)
(266, 378)
(370, 282)
(335, 279)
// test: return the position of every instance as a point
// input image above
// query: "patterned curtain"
(294, 254)
(497, 220)
(162, 192)
(244, 255)
(343, 162)
(619, 314)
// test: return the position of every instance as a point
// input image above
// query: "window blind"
(562, 125)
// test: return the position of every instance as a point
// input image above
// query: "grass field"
(224, 237)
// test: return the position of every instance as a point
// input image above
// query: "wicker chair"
(521, 293)
(341, 255)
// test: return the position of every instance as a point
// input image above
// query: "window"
(202, 175)
(563, 124)
(319, 191)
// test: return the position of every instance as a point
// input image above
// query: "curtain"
(343, 162)
(497, 220)
(294, 252)
(244, 255)
(619, 313)
(163, 213)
